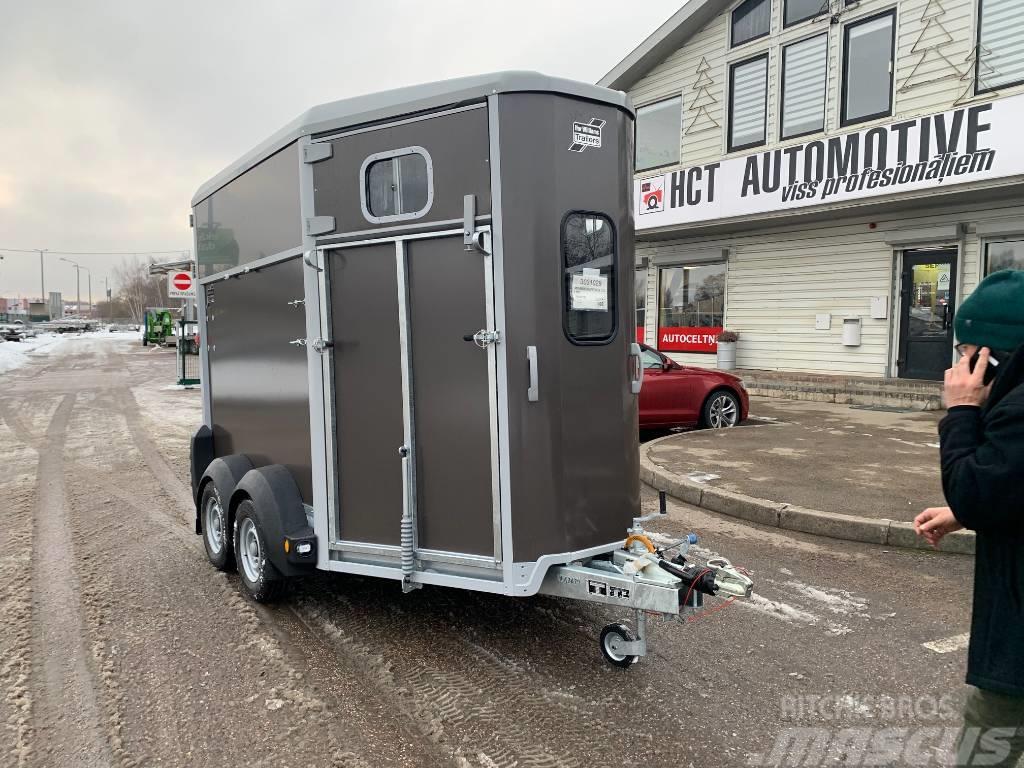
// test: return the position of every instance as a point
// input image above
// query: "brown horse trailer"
(418, 359)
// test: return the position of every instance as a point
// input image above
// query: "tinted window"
(1008, 254)
(398, 186)
(692, 297)
(801, 10)
(804, 70)
(749, 103)
(751, 20)
(588, 263)
(657, 133)
(867, 69)
(1001, 44)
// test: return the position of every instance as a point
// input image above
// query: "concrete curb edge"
(790, 517)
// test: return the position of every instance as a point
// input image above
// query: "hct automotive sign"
(963, 145)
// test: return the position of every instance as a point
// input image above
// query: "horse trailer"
(418, 356)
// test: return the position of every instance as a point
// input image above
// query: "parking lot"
(122, 646)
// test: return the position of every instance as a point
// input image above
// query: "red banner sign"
(640, 334)
(688, 339)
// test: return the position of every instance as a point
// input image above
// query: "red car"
(675, 395)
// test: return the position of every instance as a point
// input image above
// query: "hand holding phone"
(993, 366)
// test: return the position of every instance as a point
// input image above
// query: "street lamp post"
(42, 275)
(88, 274)
(78, 284)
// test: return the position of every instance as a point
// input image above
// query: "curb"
(790, 517)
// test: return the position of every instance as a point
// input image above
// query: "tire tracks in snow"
(66, 711)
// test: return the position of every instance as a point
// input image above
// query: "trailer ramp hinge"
(309, 258)
(296, 302)
(322, 345)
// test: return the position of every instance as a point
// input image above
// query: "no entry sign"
(181, 285)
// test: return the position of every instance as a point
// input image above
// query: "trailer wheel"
(217, 539)
(259, 577)
(612, 638)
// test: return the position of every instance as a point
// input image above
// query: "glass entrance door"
(928, 293)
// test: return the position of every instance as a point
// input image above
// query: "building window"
(1000, 45)
(588, 261)
(397, 185)
(692, 307)
(640, 292)
(658, 128)
(868, 68)
(748, 103)
(801, 10)
(751, 20)
(1007, 254)
(804, 83)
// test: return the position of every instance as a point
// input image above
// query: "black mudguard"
(225, 473)
(200, 456)
(282, 516)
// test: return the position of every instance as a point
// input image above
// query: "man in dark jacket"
(982, 440)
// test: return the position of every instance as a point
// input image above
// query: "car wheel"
(721, 410)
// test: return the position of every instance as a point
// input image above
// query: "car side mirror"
(666, 366)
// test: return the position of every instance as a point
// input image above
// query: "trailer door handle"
(533, 393)
(637, 381)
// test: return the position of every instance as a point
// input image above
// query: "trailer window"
(588, 262)
(397, 185)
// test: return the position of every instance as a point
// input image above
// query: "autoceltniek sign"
(968, 144)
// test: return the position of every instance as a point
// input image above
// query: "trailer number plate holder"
(605, 590)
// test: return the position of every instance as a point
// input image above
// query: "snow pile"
(14, 354)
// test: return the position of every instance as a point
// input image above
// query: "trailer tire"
(259, 577)
(217, 536)
(612, 634)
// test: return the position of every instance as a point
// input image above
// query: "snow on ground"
(14, 354)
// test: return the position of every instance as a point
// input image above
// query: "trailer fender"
(225, 473)
(291, 543)
(200, 455)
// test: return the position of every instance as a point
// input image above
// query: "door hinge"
(322, 345)
(318, 225)
(473, 239)
(314, 153)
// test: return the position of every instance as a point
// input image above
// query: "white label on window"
(589, 293)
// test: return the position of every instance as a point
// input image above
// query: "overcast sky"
(113, 113)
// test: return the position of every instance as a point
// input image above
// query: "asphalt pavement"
(851, 460)
(162, 661)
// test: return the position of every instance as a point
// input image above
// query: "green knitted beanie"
(993, 316)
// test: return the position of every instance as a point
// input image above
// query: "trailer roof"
(375, 107)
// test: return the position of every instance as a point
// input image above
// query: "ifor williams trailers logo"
(586, 135)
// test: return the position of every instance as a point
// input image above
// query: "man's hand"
(964, 387)
(934, 523)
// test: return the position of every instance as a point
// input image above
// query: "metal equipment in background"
(188, 353)
(158, 327)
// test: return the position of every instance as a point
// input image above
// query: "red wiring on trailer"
(709, 611)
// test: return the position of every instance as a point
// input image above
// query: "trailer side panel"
(258, 380)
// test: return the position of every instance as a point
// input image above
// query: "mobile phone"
(993, 365)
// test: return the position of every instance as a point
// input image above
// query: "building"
(829, 178)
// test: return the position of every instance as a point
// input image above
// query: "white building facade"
(828, 178)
